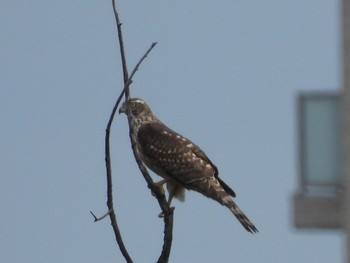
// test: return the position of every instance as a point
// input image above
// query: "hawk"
(180, 162)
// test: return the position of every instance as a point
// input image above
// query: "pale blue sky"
(224, 74)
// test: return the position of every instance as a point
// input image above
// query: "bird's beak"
(122, 109)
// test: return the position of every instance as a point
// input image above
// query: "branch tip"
(102, 217)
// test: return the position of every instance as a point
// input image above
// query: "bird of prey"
(180, 162)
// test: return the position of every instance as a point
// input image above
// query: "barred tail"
(242, 218)
(212, 187)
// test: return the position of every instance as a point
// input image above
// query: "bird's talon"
(161, 214)
(160, 189)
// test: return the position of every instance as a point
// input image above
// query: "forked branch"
(168, 213)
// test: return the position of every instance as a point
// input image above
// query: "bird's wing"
(168, 153)
(171, 153)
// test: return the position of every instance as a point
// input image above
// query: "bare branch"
(107, 147)
(168, 218)
(166, 210)
(110, 187)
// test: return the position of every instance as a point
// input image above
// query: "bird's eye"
(133, 104)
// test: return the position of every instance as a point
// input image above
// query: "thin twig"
(121, 43)
(138, 64)
(101, 217)
(129, 80)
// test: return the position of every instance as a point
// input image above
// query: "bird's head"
(136, 108)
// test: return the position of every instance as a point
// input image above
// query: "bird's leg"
(171, 195)
(171, 190)
(159, 185)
